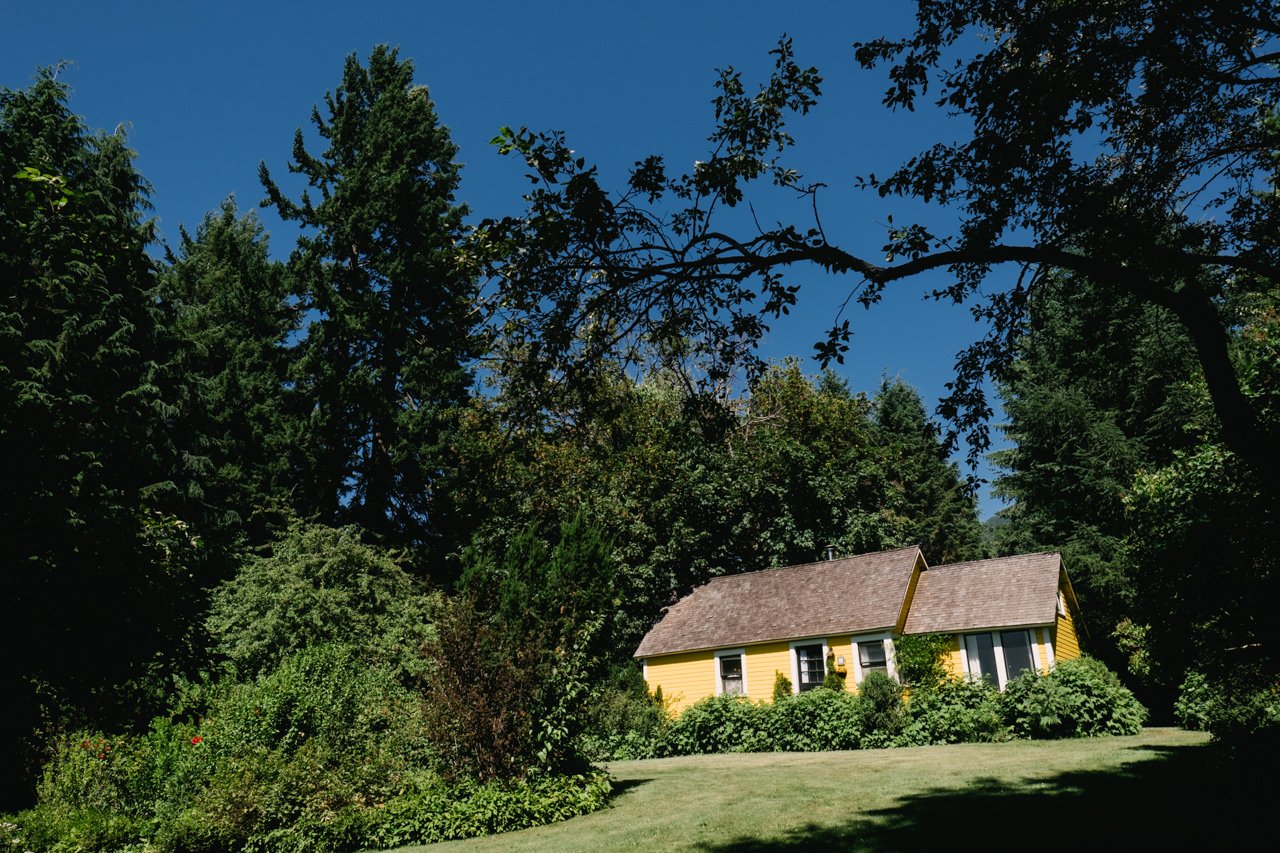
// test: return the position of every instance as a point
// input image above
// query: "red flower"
(100, 755)
(197, 739)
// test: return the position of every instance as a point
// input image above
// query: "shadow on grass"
(1183, 798)
(621, 787)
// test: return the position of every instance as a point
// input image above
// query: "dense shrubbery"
(1078, 698)
(1242, 707)
(325, 753)
(956, 711)
(303, 743)
(320, 585)
(519, 656)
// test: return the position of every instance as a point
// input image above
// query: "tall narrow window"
(982, 657)
(872, 657)
(1017, 653)
(810, 666)
(731, 674)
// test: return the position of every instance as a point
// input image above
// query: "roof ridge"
(813, 563)
(1057, 554)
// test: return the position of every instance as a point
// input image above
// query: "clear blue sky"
(208, 90)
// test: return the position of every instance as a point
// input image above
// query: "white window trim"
(795, 660)
(885, 638)
(719, 677)
(1048, 647)
(1002, 674)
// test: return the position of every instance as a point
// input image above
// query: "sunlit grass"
(1030, 795)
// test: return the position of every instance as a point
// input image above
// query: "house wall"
(687, 677)
(1066, 643)
(762, 662)
(1040, 636)
(951, 658)
(684, 678)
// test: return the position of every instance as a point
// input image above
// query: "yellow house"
(735, 633)
(1005, 616)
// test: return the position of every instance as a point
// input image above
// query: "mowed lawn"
(1164, 788)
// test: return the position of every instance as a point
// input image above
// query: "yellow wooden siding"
(684, 678)
(761, 663)
(1040, 636)
(842, 647)
(1067, 643)
(951, 658)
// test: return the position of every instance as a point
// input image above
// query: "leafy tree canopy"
(319, 585)
(385, 359)
(1129, 142)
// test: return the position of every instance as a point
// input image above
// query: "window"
(731, 681)
(1000, 656)
(871, 656)
(1017, 652)
(810, 666)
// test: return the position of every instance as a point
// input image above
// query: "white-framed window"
(731, 672)
(872, 653)
(808, 664)
(999, 656)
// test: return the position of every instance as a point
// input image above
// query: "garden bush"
(1239, 706)
(1078, 698)
(1193, 707)
(719, 724)
(324, 753)
(954, 711)
(627, 722)
(880, 705)
(320, 585)
(814, 720)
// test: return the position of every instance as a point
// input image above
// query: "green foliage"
(815, 720)
(89, 394)
(719, 724)
(383, 364)
(469, 809)
(938, 512)
(1078, 698)
(1192, 708)
(627, 722)
(1239, 705)
(781, 687)
(953, 711)
(919, 659)
(880, 702)
(693, 486)
(234, 321)
(518, 655)
(320, 585)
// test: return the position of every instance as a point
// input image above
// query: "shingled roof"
(1003, 592)
(842, 596)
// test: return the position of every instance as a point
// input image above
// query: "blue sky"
(209, 90)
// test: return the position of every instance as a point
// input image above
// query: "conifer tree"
(384, 363)
(92, 531)
(234, 318)
(938, 511)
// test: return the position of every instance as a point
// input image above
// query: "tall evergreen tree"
(1105, 386)
(384, 363)
(940, 514)
(92, 537)
(235, 321)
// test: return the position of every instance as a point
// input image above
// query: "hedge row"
(1079, 698)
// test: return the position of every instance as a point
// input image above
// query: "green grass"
(1163, 788)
